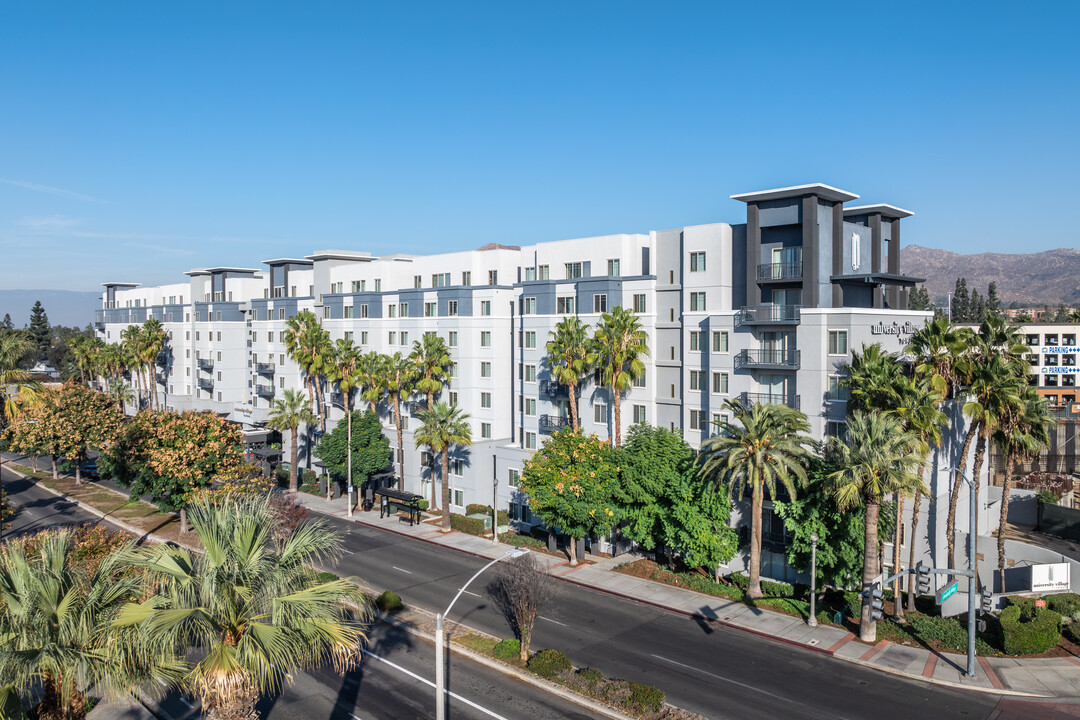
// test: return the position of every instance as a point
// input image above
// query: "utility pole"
(494, 501)
(348, 454)
(812, 620)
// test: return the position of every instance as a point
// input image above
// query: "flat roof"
(825, 192)
(120, 284)
(290, 261)
(232, 269)
(878, 209)
(363, 255)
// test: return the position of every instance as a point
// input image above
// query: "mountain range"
(1045, 278)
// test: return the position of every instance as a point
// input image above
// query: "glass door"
(773, 389)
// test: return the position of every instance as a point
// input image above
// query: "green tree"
(768, 447)
(370, 450)
(879, 458)
(444, 426)
(344, 367)
(248, 611)
(308, 344)
(82, 420)
(399, 374)
(960, 302)
(920, 299)
(570, 358)
(57, 639)
(570, 483)
(287, 413)
(431, 356)
(7, 324)
(371, 376)
(619, 344)
(16, 386)
(872, 378)
(993, 302)
(40, 334)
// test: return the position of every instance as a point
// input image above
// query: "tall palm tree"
(344, 369)
(880, 457)
(131, 345)
(768, 447)
(152, 338)
(371, 373)
(431, 356)
(252, 611)
(56, 625)
(938, 346)
(1020, 438)
(873, 377)
(308, 344)
(400, 376)
(444, 426)
(570, 358)
(13, 348)
(620, 343)
(287, 414)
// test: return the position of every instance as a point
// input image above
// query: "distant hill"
(1045, 278)
(64, 307)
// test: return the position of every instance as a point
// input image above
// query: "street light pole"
(348, 454)
(494, 501)
(973, 508)
(440, 662)
(812, 621)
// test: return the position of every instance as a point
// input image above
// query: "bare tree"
(521, 588)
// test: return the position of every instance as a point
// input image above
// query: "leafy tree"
(919, 299)
(619, 344)
(370, 450)
(286, 414)
(251, 613)
(371, 376)
(7, 324)
(570, 482)
(82, 420)
(570, 357)
(444, 426)
(39, 330)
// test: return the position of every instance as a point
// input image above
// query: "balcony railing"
(750, 399)
(769, 315)
(551, 388)
(99, 319)
(768, 358)
(780, 271)
(206, 364)
(206, 383)
(162, 358)
(264, 391)
(553, 423)
(840, 396)
(265, 368)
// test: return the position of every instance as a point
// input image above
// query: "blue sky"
(141, 139)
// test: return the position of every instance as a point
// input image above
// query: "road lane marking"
(718, 677)
(470, 592)
(407, 572)
(553, 621)
(355, 717)
(351, 553)
(429, 683)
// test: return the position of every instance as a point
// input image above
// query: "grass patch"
(479, 643)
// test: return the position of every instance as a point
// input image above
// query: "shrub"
(768, 587)
(522, 541)
(1029, 634)
(1073, 631)
(1026, 604)
(1067, 604)
(422, 504)
(474, 508)
(540, 534)
(281, 474)
(508, 649)
(308, 477)
(1046, 497)
(325, 577)
(591, 676)
(472, 526)
(644, 698)
(389, 601)
(548, 663)
(853, 600)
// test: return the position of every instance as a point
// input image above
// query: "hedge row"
(775, 589)
(472, 526)
(1029, 633)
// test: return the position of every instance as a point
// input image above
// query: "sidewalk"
(1037, 677)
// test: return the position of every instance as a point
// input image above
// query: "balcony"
(769, 315)
(552, 388)
(553, 423)
(779, 272)
(162, 358)
(99, 319)
(264, 391)
(265, 368)
(206, 384)
(206, 365)
(768, 359)
(750, 399)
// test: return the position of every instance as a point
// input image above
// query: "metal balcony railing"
(264, 391)
(206, 383)
(99, 319)
(206, 364)
(768, 315)
(266, 368)
(553, 423)
(162, 358)
(750, 399)
(780, 271)
(768, 358)
(841, 396)
(550, 387)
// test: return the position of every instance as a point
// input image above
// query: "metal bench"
(410, 501)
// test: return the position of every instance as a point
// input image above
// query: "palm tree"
(131, 345)
(371, 373)
(431, 356)
(400, 376)
(769, 446)
(569, 356)
(873, 377)
(287, 414)
(251, 610)
(56, 620)
(444, 426)
(937, 348)
(880, 457)
(344, 366)
(13, 348)
(620, 343)
(152, 342)
(1020, 438)
(309, 346)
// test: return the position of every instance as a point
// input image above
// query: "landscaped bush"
(281, 475)
(522, 541)
(1029, 634)
(422, 504)
(775, 589)
(474, 508)
(508, 649)
(325, 577)
(389, 601)
(1047, 497)
(590, 676)
(540, 534)
(308, 477)
(853, 600)
(644, 698)
(472, 526)
(1065, 604)
(946, 631)
(548, 663)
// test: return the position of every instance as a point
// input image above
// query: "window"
(565, 305)
(639, 414)
(719, 383)
(485, 369)
(530, 441)
(280, 314)
(493, 277)
(418, 282)
(391, 338)
(485, 307)
(695, 380)
(697, 419)
(363, 310)
(720, 341)
(599, 303)
(485, 338)
(357, 286)
(404, 338)
(717, 424)
(281, 360)
(391, 310)
(219, 336)
(439, 280)
(451, 307)
(697, 302)
(530, 274)
(431, 309)
(638, 381)
(485, 400)
(459, 498)
(639, 303)
(485, 430)
(528, 306)
(838, 392)
(363, 337)
(457, 467)
(600, 413)
(543, 272)
(466, 278)
(348, 336)
(530, 373)
(696, 337)
(697, 261)
(453, 398)
(613, 267)
(451, 338)
(573, 270)
(348, 312)
(530, 407)
(836, 429)
(838, 342)
(378, 285)
(513, 478)
(530, 339)
(404, 309)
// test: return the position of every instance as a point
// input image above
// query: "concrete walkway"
(1041, 677)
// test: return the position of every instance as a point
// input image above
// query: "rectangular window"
(391, 338)
(404, 338)
(363, 337)
(363, 311)
(565, 305)
(453, 398)
(838, 342)
(530, 339)
(451, 338)
(326, 311)
(639, 380)
(485, 338)
(378, 285)
(485, 430)
(513, 478)
(639, 414)
(838, 392)
(599, 303)
(528, 306)
(600, 413)
(485, 369)
(543, 272)
(281, 360)
(418, 281)
(530, 441)
(485, 400)
(717, 425)
(457, 467)
(639, 303)
(530, 373)
(530, 406)
(459, 498)
(695, 380)
(613, 267)
(348, 312)
(466, 278)
(404, 309)
(493, 277)
(719, 383)
(391, 310)
(697, 302)
(485, 307)
(696, 340)
(530, 274)
(451, 307)
(720, 341)
(697, 419)
(430, 309)
(348, 335)
(697, 261)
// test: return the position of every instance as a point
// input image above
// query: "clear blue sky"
(141, 139)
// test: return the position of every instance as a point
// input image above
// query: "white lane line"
(355, 717)
(469, 592)
(718, 677)
(351, 553)
(190, 706)
(407, 572)
(553, 621)
(427, 682)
